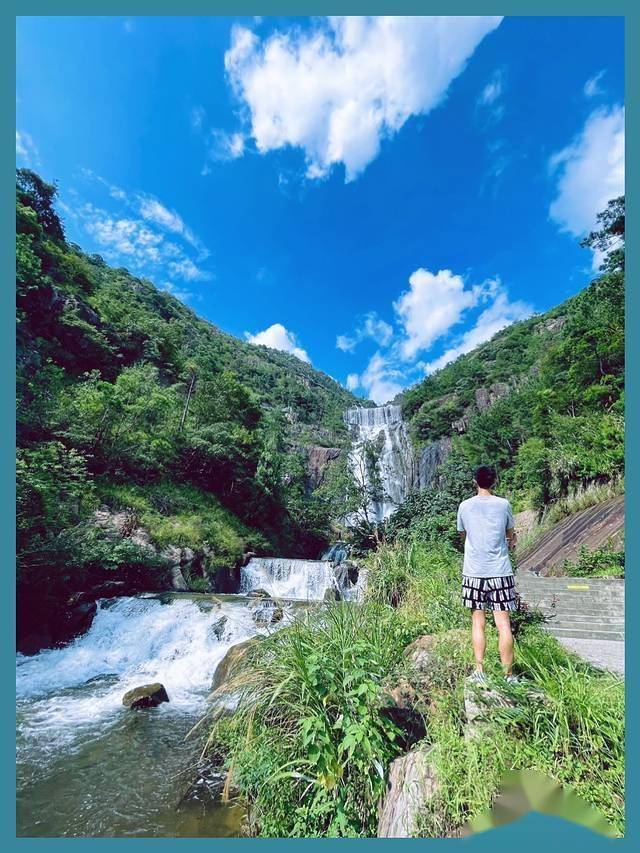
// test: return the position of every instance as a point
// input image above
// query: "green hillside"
(128, 399)
(543, 400)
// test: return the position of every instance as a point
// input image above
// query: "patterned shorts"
(489, 593)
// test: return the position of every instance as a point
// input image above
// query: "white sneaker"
(512, 679)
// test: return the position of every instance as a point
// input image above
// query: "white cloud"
(26, 148)
(589, 171)
(493, 89)
(138, 245)
(434, 303)
(226, 146)
(380, 379)
(154, 211)
(499, 314)
(338, 90)
(592, 86)
(371, 327)
(353, 381)
(278, 337)
(345, 343)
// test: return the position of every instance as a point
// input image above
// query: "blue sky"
(376, 195)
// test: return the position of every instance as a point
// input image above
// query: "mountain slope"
(126, 398)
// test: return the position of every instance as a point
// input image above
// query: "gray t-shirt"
(485, 519)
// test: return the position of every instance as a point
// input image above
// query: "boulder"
(177, 579)
(229, 666)
(259, 593)
(266, 611)
(219, 626)
(420, 653)
(146, 696)
(411, 783)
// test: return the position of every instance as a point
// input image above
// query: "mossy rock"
(229, 666)
(145, 696)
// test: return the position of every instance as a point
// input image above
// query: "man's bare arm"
(512, 538)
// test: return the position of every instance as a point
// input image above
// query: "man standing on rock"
(485, 523)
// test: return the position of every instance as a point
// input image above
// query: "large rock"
(318, 459)
(411, 784)
(146, 696)
(230, 664)
(177, 579)
(420, 653)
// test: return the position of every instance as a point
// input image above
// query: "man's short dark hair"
(485, 476)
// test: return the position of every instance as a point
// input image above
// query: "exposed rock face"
(420, 653)
(487, 397)
(318, 459)
(146, 696)
(553, 324)
(430, 459)
(177, 579)
(411, 784)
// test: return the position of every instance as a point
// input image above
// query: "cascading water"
(381, 451)
(120, 767)
(304, 580)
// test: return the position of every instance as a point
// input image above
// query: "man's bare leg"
(478, 638)
(505, 639)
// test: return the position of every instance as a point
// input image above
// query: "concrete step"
(583, 634)
(556, 618)
(584, 626)
(549, 607)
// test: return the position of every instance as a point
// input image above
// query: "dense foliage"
(551, 420)
(310, 743)
(124, 393)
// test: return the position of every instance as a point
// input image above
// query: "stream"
(86, 765)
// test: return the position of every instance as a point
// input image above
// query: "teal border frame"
(533, 831)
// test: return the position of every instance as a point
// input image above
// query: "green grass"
(185, 516)
(308, 748)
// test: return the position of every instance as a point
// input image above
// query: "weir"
(302, 580)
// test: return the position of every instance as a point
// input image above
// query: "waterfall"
(384, 430)
(306, 580)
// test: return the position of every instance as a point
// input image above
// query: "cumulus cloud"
(434, 303)
(499, 314)
(337, 90)
(278, 337)
(589, 172)
(428, 313)
(592, 86)
(372, 327)
(381, 379)
(26, 149)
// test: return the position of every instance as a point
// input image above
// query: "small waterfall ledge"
(301, 580)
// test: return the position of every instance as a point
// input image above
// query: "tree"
(35, 193)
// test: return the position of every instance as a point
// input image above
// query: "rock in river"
(146, 696)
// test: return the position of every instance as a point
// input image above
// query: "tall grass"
(308, 747)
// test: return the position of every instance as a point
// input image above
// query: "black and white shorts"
(489, 593)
